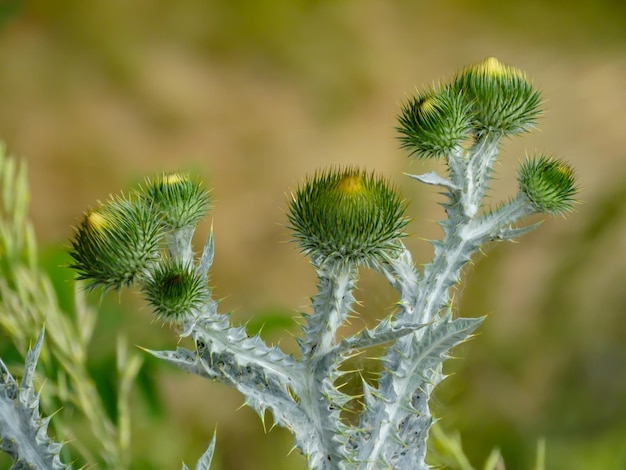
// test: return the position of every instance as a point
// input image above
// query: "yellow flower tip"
(427, 105)
(564, 170)
(351, 184)
(492, 67)
(173, 178)
(95, 221)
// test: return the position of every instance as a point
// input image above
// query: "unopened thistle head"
(502, 98)
(347, 216)
(181, 201)
(549, 184)
(434, 123)
(115, 243)
(175, 290)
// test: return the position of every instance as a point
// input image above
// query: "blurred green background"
(252, 95)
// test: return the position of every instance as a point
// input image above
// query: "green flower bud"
(115, 243)
(501, 97)
(549, 184)
(434, 123)
(347, 216)
(175, 289)
(181, 201)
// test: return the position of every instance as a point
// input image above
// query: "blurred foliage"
(9, 9)
(584, 23)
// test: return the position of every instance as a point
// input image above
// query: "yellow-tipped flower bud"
(115, 243)
(181, 201)
(434, 123)
(347, 216)
(502, 98)
(549, 184)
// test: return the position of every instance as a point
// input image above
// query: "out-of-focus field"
(254, 95)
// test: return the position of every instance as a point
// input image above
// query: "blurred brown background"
(253, 95)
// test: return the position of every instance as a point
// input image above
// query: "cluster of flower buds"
(343, 216)
(351, 216)
(122, 242)
(488, 97)
(487, 100)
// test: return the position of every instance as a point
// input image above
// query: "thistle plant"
(343, 219)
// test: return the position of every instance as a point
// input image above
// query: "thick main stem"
(320, 399)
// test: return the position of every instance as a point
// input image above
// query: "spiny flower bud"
(502, 98)
(181, 201)
(175, 289)
(549, 184)
(347, 216)
(434, 123)
(115, 243)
